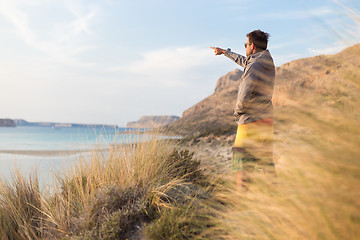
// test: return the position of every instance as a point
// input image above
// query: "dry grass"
(19, 203)
(316, 193)
(112, 195)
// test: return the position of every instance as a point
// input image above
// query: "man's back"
(256, 88)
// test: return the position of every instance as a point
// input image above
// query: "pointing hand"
(218, 51)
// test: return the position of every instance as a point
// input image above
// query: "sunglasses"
(247, 44)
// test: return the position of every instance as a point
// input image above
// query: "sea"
(47, 149)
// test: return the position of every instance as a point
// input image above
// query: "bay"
(49, 149)
(66, 138)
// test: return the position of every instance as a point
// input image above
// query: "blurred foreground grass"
(316, 194)
(317, 152)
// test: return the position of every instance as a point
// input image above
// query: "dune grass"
(121, 194)
(20, 200)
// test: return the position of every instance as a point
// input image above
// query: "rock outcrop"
(151, 121)
(6, 122)
(213, 105)
(214, 114)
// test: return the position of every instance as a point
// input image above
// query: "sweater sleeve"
(237, 58)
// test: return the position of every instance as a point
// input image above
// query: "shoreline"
(56, 153)
(45, 153)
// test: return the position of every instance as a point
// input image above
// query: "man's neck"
(258, 50)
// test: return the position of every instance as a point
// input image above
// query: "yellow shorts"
(253, 146)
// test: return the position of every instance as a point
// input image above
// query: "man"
(253, 147)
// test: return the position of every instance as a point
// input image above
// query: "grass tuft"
(20, 201)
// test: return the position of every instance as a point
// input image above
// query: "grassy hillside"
(332, 80)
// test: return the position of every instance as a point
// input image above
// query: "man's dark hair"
(259, 38)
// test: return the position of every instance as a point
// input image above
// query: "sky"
(113, 61)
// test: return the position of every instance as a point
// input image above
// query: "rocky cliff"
(6, 122)
(151, 121)
(331, 80)
(214, 114)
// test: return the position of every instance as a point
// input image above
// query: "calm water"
(21, 139)
(46, 138)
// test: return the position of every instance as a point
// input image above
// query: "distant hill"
(333, 80)
(22, 122)
(151, 121)
(6, 122)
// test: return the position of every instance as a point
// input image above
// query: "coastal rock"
(6, 122)
(214, 114)
(225, 93)
(228, 80)
(152, 121)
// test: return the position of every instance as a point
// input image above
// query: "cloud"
(334, 48)
(64, 42)
(170, 66)
(18, 18)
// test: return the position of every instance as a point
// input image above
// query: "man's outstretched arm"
(218, 51)
(239, 59)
